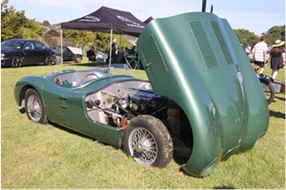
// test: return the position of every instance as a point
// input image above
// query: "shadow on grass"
(23, 111)
(187, 174)
(283, 99)
(276, 114)
(223, 187)
(179, 160)
(79, 134)
(83, 64)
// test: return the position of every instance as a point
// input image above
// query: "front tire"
(49, 60)
(148, 141)
(34, 107)
(16, 62)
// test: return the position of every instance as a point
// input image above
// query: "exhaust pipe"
(204, 5)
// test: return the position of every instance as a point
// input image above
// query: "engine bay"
(116, 104)
(123, 101)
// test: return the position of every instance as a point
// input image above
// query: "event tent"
(107, 20)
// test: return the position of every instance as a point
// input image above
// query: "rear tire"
(148, 141)
(16, 61)
(34, 107)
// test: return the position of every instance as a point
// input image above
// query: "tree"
(124, 42)
(78, 37)
(246, 37)
(46, 23)
(53, 32)
(275, 33)
(15, 25)
(101, 40)
(4, 5)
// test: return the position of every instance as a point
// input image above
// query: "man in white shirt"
(259, 54)
(100, 54)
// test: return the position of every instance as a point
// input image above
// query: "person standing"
(277, 57)
(114, 50)
(259, 54)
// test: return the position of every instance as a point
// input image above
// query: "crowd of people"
(276, 58)
(114, 53)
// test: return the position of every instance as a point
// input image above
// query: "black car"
(18, 52)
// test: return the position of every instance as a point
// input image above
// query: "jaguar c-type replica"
(203, 100)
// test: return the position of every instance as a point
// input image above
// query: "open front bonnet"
(196, 60)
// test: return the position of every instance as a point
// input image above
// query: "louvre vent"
(222, 43)
(155, 59)
(203, 44)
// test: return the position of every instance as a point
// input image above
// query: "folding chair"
(100, 61)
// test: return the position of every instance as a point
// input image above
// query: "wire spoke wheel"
(148, 141)
(143, 145)
(34, 108)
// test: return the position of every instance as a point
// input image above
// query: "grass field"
(35, 156)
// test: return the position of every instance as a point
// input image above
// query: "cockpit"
(72, 79)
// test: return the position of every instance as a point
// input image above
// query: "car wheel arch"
(23, 93)
(195, 113)
(21, 55)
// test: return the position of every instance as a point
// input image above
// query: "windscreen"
(117, 69)
(83, 77)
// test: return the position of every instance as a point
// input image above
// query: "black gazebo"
(107, 20)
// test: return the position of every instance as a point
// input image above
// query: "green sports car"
(202, 102)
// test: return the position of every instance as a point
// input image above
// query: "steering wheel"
(89, 74)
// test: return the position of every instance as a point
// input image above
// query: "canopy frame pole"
(93, 37)
(62, 47)
(110, 49)
(120, 44)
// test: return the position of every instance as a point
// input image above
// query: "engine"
(141, 101)
(122, 102)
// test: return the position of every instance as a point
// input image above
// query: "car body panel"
(198, 56)
(62, 104)
(30, 57)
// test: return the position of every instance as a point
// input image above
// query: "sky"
(254, 15)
